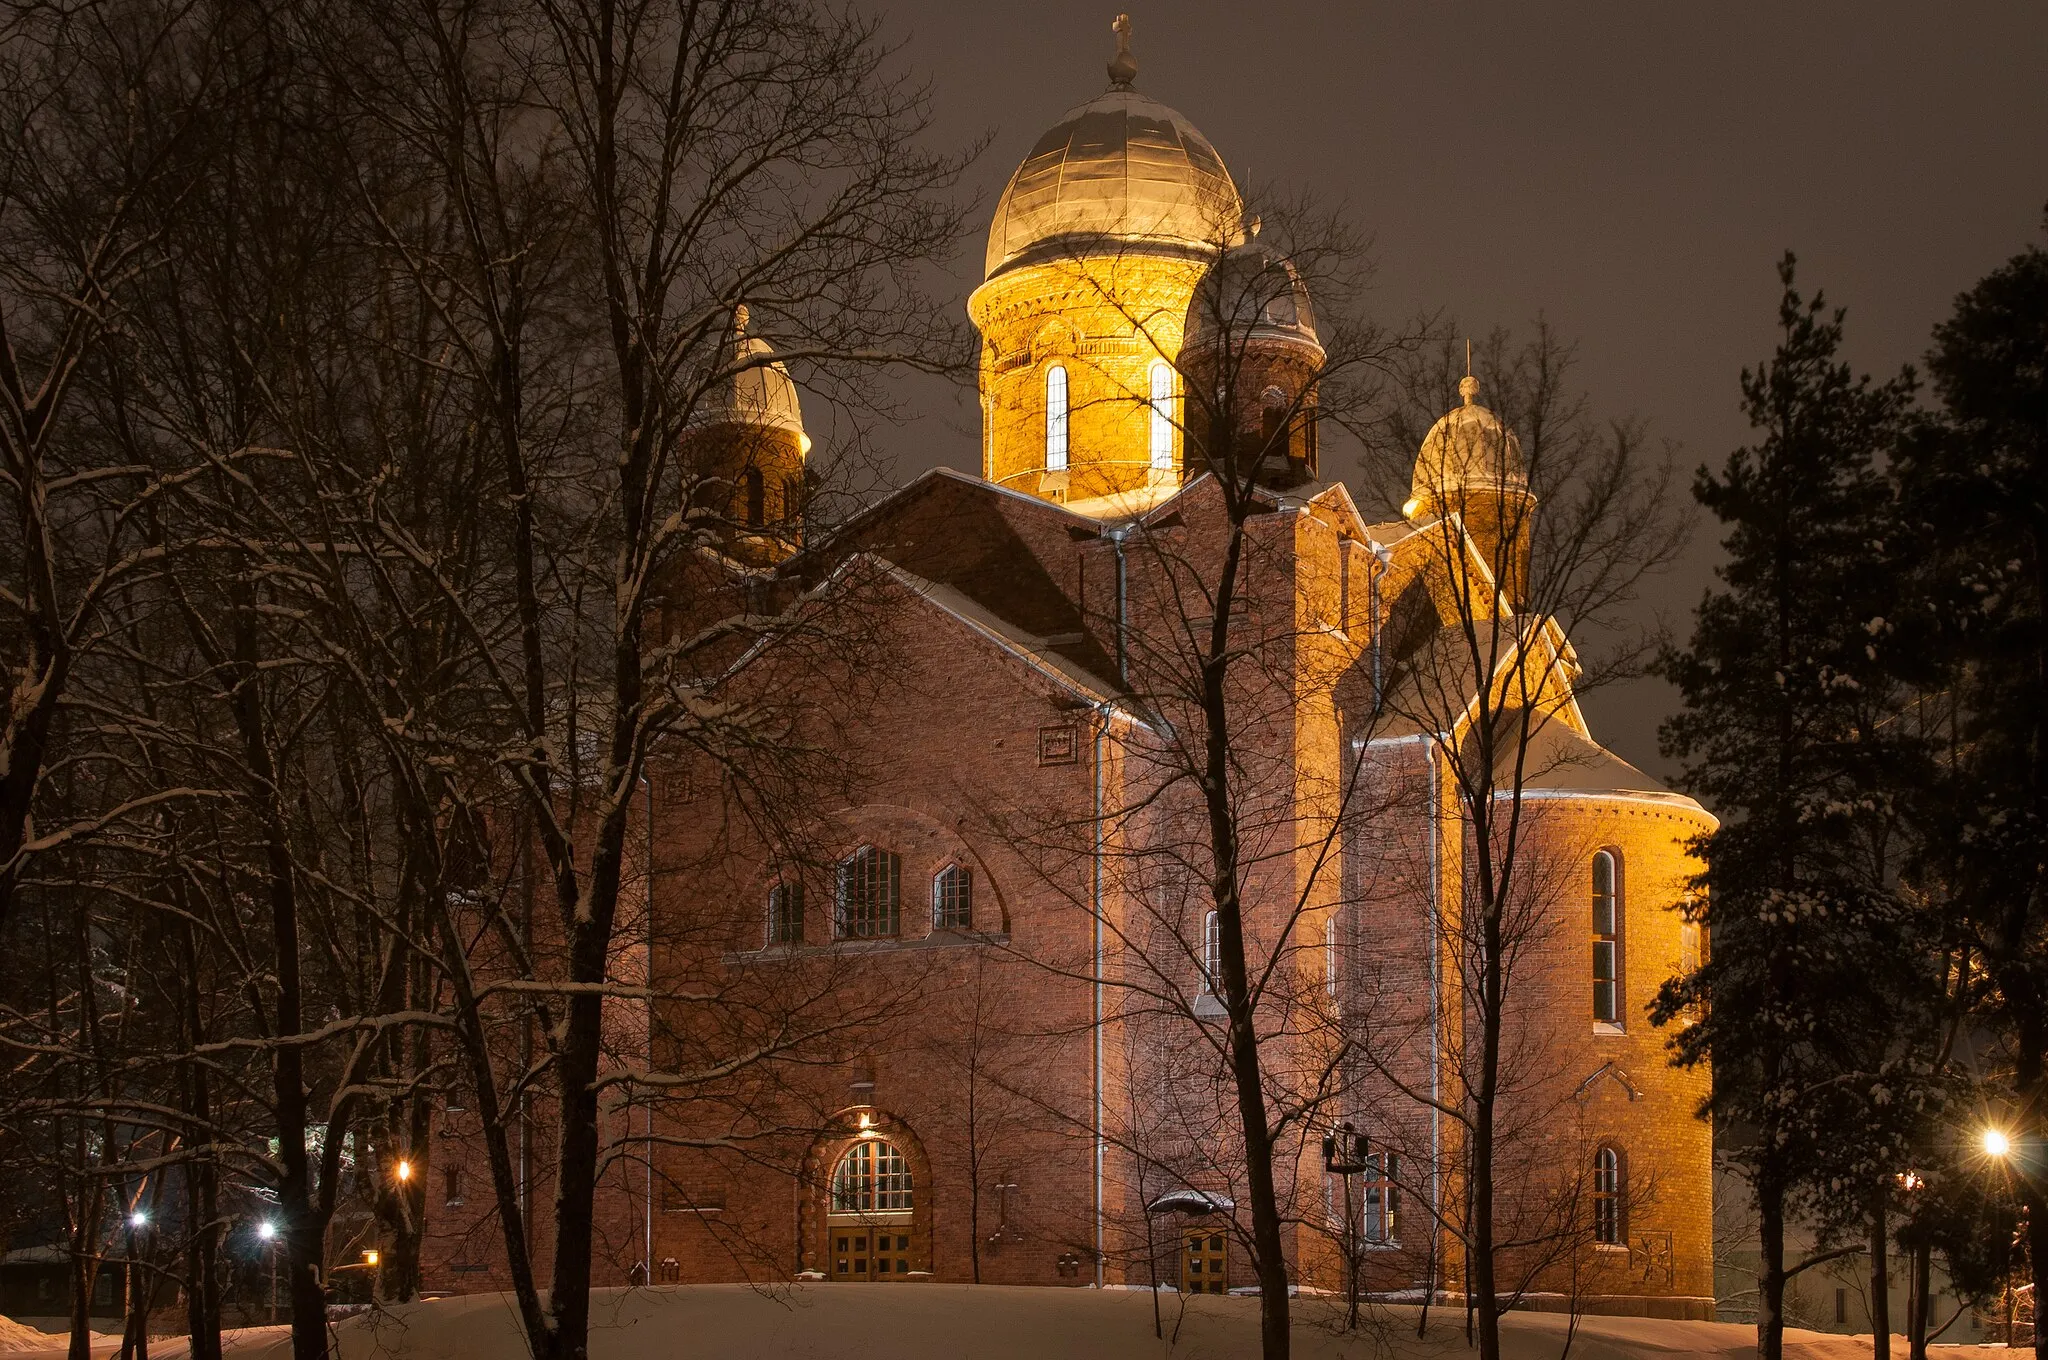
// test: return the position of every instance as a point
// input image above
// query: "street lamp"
(267, 1231)
(1996, 1143)
(1344, 1155)
(138, 1219)
(404, 1171)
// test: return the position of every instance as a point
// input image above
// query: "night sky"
(1632, 172)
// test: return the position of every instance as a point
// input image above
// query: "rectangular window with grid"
(953, 898)
(870, 894)
(786, 913)
(1382, 1198)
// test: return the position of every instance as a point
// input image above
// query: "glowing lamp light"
(405, 1171)
(867, 1126)
(371, 1257)
(138, 1219)
(266, 1230)
(1408, 510)
(1996, 1144)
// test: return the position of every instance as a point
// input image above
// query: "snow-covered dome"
(1254, 294)
(1121, 169)
(1468, 448)
(759, 391)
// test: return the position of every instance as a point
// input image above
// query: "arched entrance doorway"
(869, 1220)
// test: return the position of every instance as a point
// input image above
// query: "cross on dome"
(1123, 67)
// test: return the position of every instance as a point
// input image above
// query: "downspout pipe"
(1095, 971)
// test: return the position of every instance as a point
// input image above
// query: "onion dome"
(1255, 295)
(1468, 449)
(759, 393)
(1121, 170)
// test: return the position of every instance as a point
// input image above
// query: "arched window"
(870, 894)
(757, 498)
(1212, 953)
(1056, 418)
(1607, 1197)
(871, 1178)
(1162, 416)
(1606, 940)
(1272, 419)
(786, 913)
(953, 898)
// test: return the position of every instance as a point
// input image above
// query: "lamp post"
(1344, 1155)
(266, 1231)
(134, 1340)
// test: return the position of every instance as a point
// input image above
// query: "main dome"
(1122, 170)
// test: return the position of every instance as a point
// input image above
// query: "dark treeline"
(345, 351)
(1864, 700)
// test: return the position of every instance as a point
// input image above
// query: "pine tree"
(1787, 686)
(1979, 488)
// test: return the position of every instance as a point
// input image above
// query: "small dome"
(1120, 168)
(1470, 447)
(1255, 293)
(760, 394)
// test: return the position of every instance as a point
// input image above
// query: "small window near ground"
(451, 1178)
(1607, 1224)
(953, 898)
(1382, 1198)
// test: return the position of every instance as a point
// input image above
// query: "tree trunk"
(1770, 1280)
(1880, 1283)
(1920, 1301)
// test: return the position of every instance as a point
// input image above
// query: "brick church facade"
(951, 1014)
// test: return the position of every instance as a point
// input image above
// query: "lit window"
(953, 898)
(1382, 1198)
(870, 894)
(1606, 941)
(1607, 1197)
(1162, 416)
(786, 913)
(871, 1178)
(1212, 953)
(1056, 419)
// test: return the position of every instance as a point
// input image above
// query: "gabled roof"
(1013, 555)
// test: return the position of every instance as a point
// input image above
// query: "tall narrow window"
(870, 894)
(1056, 418)
(786, 913)
(1607, 1197)
(1273, 422)
(953, 898)
(757, 498)
(1330, 957)
(1606, 941)
(1382, 1198)
(1162, 417)
(1212, 952)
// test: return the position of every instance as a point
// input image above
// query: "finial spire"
(739, 320)
(1123, 68)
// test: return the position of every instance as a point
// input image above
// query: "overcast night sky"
(1630, 171)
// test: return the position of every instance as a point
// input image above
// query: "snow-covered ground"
(952, 1322)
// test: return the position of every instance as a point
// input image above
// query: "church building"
(985, 951)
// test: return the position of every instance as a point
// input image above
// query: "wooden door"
(863, 1252)
(1204, 1261)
